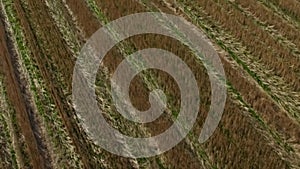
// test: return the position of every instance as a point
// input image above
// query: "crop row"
(222, 41)
(13, 147)
(20, 142)
(79, 11)
(67, 29)
(271, 19)
(147, 78)
(274, 33)
(197, 149)
(227, 43)
(43, 43)
(279, 11)
(60, 17)
(289, 7)
(8, 155)
(274, 135)
(56, 135)
(55, 62)
(263, 47)
(273, 84)
(240, 100)
(151, 82)
(287, 96)
(123, 49)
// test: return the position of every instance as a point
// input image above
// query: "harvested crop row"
(68, 29)
(267, 16)
(290, 7)
(290, 100)
(271, 85)
(102, 17)
(7, 152)
(291, 108)
(104, 156)
(81, 11)
(278, 11)
(51, 123)
(202, 83)
(236, 74)
(275, 34)
(13, 147)
(273, 114)
(13, 153)
(259, 139)
(276, 57)
(103, 91)
(141, 162)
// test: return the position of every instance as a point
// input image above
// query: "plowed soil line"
(17, 96)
